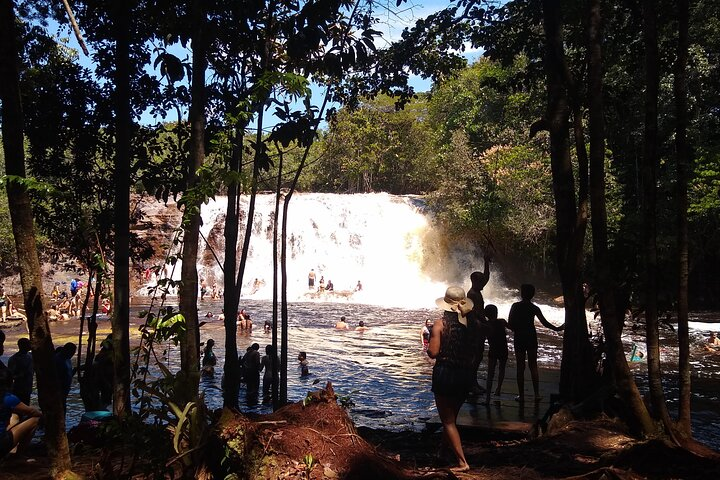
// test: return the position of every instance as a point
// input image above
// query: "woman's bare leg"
(448, 408)
(23, 433)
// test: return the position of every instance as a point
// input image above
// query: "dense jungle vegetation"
(583, 142)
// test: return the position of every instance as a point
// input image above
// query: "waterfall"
(386, 242)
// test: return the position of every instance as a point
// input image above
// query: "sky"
(391, 25)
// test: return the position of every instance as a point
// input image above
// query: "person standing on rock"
(311, 279)
(4, 302)
(451, 345)
(478, 280)
(521, 321)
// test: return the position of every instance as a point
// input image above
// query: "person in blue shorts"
(18, 435)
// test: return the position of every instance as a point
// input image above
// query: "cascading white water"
(387, 242)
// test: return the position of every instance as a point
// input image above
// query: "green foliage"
(376, 148)
(346, 401)
(7, 240)
(309, 461)
(502, 195)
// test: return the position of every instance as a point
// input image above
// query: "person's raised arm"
(543, 320)
(435, 337)
(486, 272)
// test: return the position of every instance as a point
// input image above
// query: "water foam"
(386, 242)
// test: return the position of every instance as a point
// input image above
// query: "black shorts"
(6, 443)
(501, 355)
(525, 344)
(451, 381)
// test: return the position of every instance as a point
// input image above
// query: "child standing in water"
(304, 364)
(498, 349)
(522, 321)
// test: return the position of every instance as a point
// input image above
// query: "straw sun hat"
(455, 301)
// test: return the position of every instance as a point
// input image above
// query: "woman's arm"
(435, 337)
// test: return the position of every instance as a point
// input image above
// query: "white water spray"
(386, 242)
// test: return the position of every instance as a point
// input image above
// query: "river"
(384, 371)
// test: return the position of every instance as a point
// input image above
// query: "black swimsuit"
(453, 371)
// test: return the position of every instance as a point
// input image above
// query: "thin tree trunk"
(88, 384)
(621, 374)
(231, 295)
(276, 284)
(190, 344)
(121, 281)
(683, 161)
(49, 395)
(649, 174)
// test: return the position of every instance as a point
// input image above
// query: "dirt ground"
(276, 446)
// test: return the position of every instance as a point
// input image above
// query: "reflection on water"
(386, 374)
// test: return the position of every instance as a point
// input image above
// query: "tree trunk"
(276, 284)
(231, 295)
(49, 395)
(570, 227)
(683, 161)
(190, 344)
(649, 176)
(89, 390)
(121, 308)
(621, 374)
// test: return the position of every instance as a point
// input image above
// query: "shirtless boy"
(522, 321)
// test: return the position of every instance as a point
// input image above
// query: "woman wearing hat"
(451, 345)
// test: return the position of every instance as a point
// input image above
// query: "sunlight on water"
(389, 244)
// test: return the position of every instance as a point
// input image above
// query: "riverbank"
(570, 450)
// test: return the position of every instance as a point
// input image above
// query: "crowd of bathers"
(328, 286)
(69, 304)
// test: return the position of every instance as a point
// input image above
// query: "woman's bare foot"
(461, 468)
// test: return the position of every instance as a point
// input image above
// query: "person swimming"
(341, 324)
(304, 365)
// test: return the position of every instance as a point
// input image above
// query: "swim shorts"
(502, 355)
(525, 343)
(451, 381)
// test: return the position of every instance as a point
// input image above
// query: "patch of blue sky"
(392, 21)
